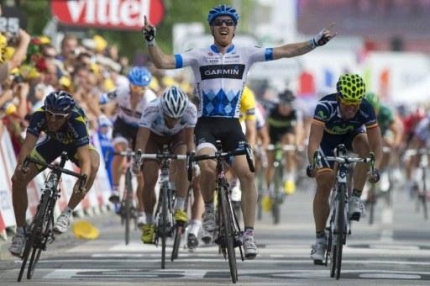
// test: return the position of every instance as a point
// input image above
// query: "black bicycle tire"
(371, 204)
(28, 246)
(164, 208)
(176, 242)
(229, 239)
(128, 204)
(341, 228)
(276, 207)
(332, 246)
(424, 196)
(38, 219)
(48, 218)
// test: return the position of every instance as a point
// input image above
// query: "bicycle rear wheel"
(227, 218)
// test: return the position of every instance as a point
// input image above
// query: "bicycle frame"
(127, 202)
(339, 226)
(164, 217)
(421, 184)
(40, 230)
(228, 230)
(278, 167)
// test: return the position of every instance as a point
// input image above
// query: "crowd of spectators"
(87, 68)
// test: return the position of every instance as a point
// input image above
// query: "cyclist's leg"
(122, 134)
(325, 179)
(361, 147)
(150, 176)
(95, 164)
(290, 166)
(64, 220)
(197, 210)
(248, 187)
(43, 151)
(179, 173)
(205, 134)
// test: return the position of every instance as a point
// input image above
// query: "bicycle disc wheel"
(229, 234)
(341, 229)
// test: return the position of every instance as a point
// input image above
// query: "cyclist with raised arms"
(64, 124)
(170, 119)
(220, 72)
(346, 118)
(130, 100)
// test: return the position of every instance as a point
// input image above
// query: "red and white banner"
(108, 14)
(7, 163)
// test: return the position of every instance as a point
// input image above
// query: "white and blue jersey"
(153, 119)
(220, 78)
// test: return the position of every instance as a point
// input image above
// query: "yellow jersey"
(247, 105)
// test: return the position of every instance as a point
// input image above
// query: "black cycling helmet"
(59, 102)
(287, 96)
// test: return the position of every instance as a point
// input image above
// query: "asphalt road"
(395, 250)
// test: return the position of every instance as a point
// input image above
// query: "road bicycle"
(421, 178)
(227, 232)
(165, 224)
(127, 208)
(339, 225)
(375, 192)
(260, 177)
(40, 232)
(277, 194)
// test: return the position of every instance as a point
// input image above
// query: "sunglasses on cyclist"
(138, 88)
(349, 102)
(56, 115)
(219, 22)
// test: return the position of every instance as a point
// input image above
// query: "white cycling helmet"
(174, 102)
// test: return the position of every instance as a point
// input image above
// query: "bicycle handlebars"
(220, 155)
(57, 168)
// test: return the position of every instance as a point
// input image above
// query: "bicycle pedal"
(319, 262)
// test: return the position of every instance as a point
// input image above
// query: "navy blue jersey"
(73, 133)
(327, 114)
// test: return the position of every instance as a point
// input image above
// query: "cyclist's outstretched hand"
(323, 37)
(148, 30)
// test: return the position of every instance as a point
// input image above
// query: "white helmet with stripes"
(174, 102)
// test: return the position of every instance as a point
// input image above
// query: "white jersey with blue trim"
(125, 112)
(153, 119)
(220, 78)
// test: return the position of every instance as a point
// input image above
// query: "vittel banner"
(108, 14)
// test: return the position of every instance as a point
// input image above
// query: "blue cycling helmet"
(59, 102)
(223, 10)
(139, 76)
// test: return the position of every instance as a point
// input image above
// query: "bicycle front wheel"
(128, 202)
(227, 218)
(165, 222)
(341, 228)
